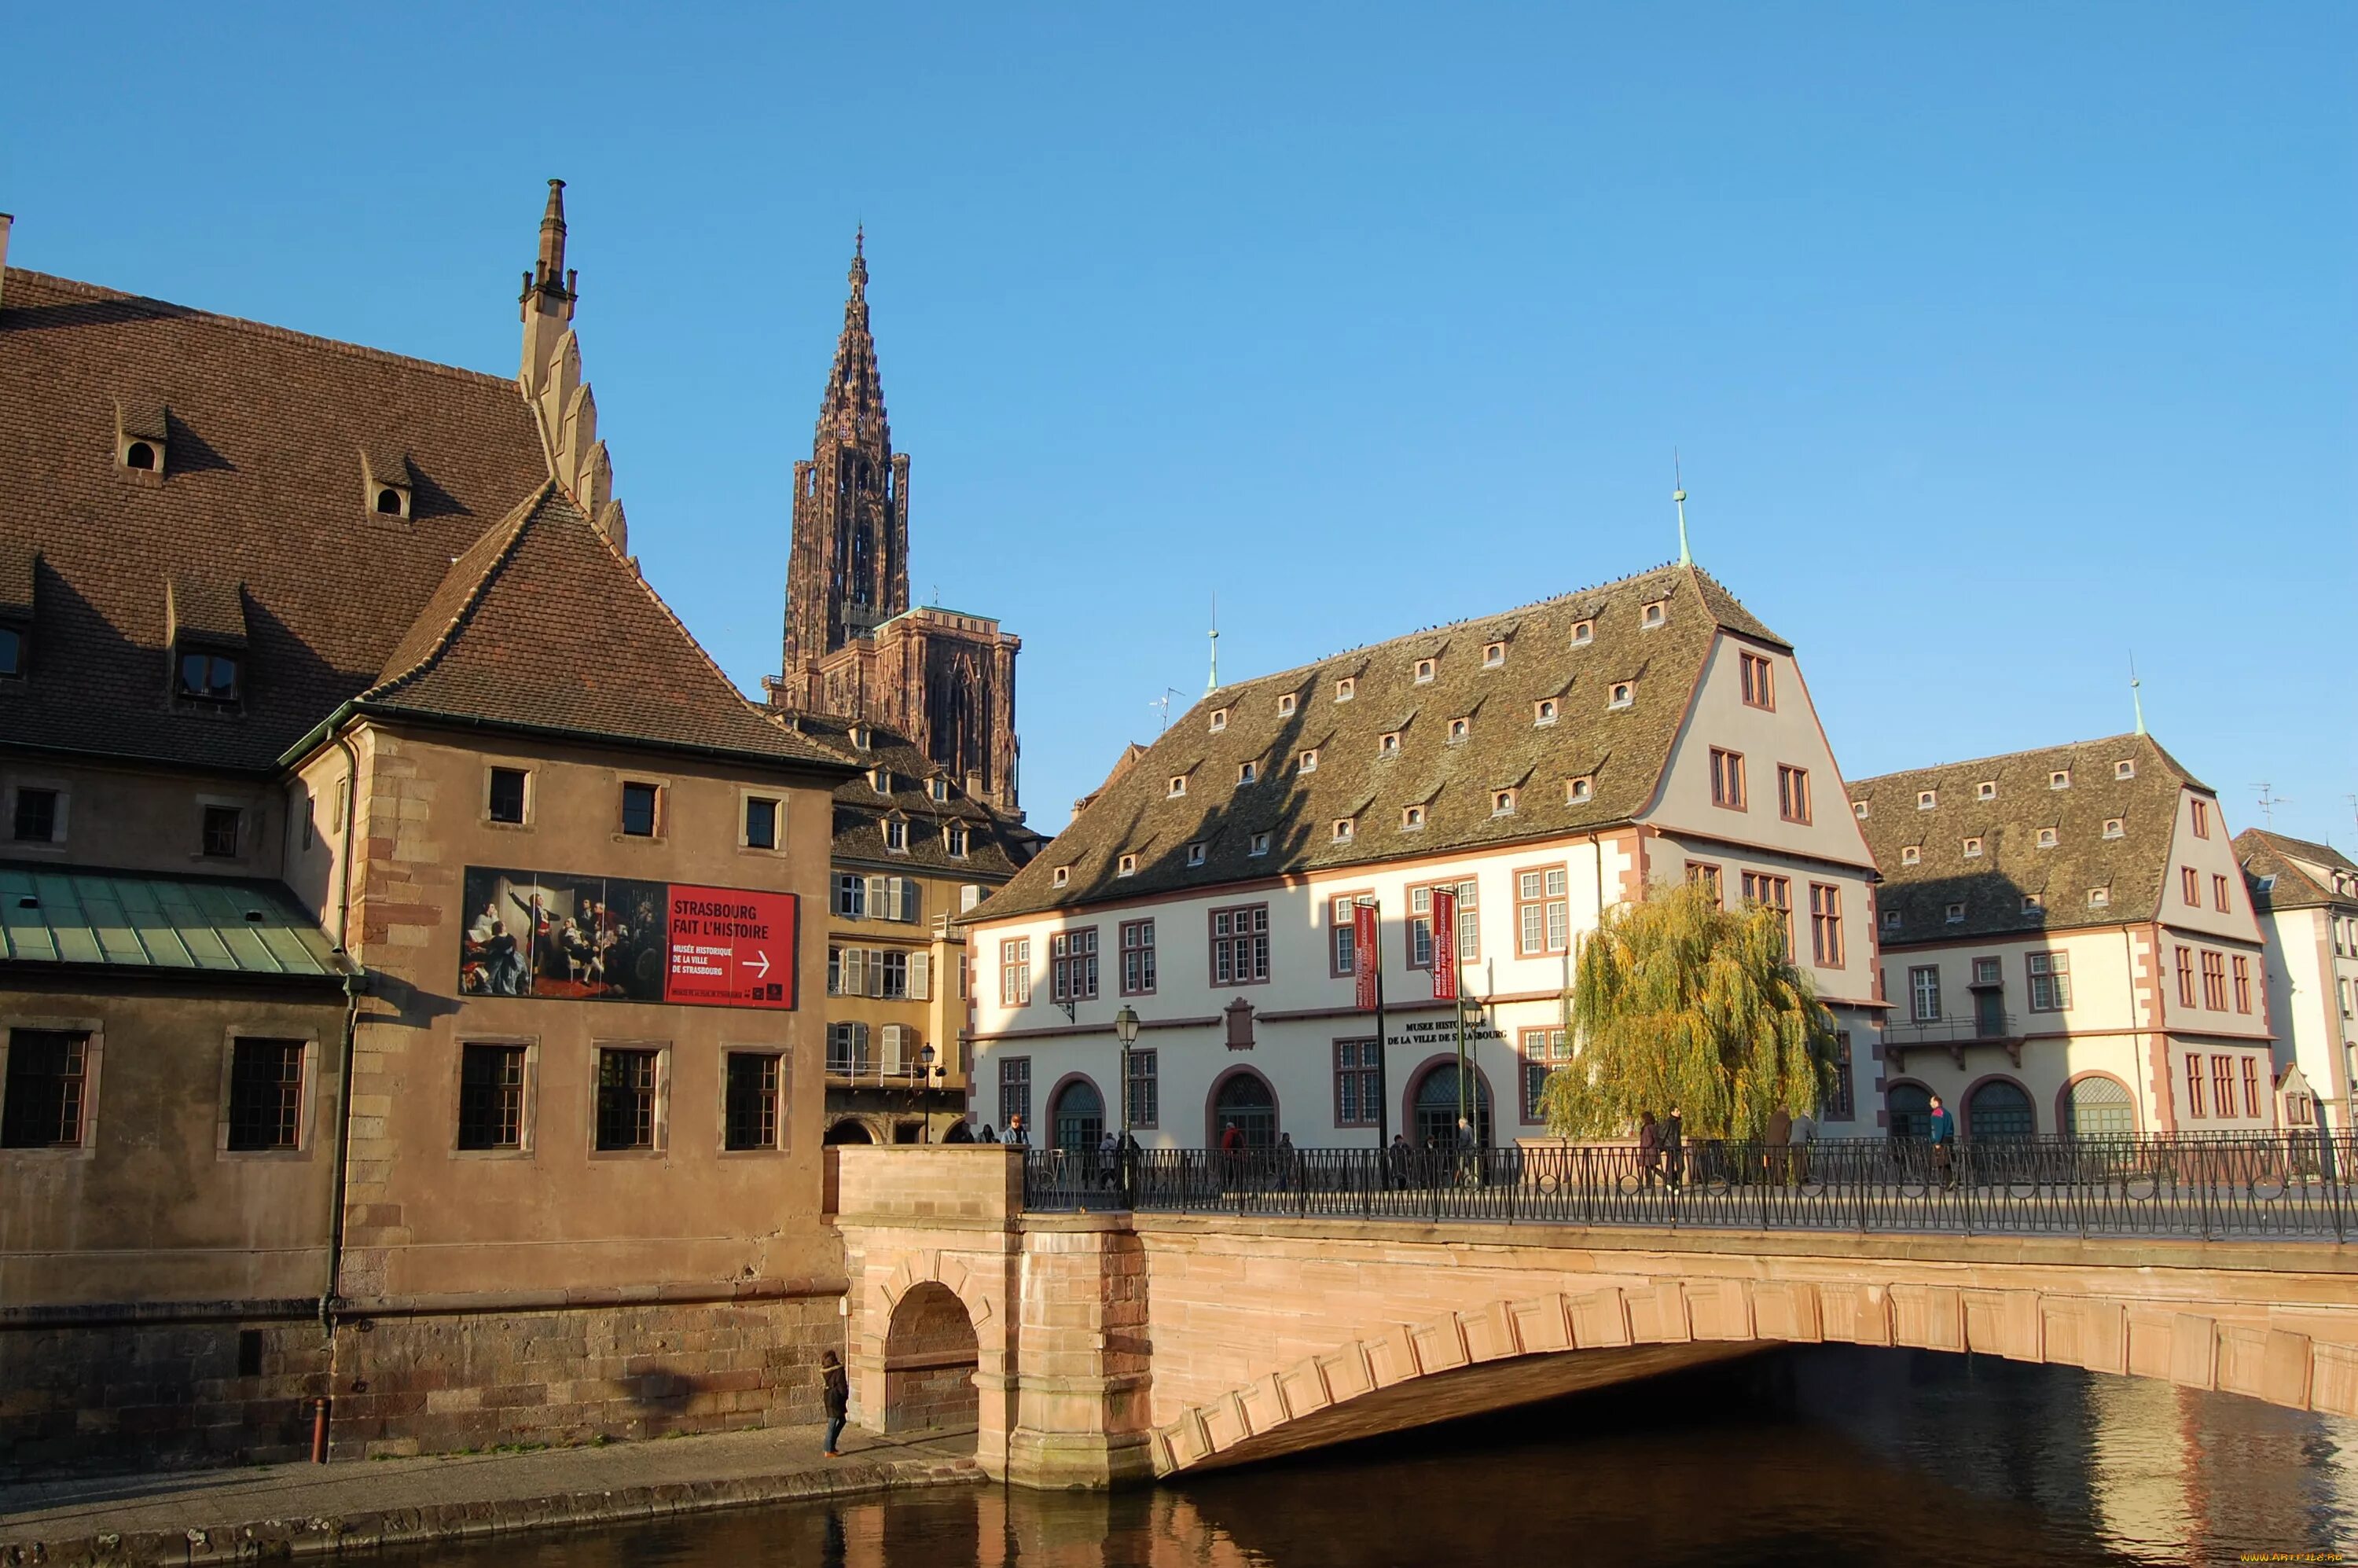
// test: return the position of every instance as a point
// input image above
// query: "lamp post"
(1125, 1028)
(926, 1061)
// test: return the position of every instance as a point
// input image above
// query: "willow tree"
(1679, 1002)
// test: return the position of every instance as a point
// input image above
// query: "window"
(1257, 844)
(1342, 936)
(1924, 993)
(1858, 809)
(1073, 965)
(2100, 898)
(639, 810)
(1652, 615)
(1542, 914)
(208, 678)
(1138, 958)
(2186, 976)
(1792, 793)
(2114, 827)
(1839, 1106)
(1705, 874)
(1544, 1050)
(1125, 867)
(1577, 790)
(1195, 853)
(2124, 769)
(626, 1098)
(956, 842)
(42, 1103)
(2190, 886)
(2222, 1085)
(1219, 719)
(2059, 779)
(1912, 854)
(2193, 1085)
(1178, 786)
(1345, 689)
(1412, 818)
(1346, 829)
(888, 973)
(1583, 634)
(1420, 924)
(838, 960)
(1776, 892)
(859, 737)
(1624, 694)
(12, 651)
(880, 780)
(1956, 915)
(1014, 1090)
(938, 789)
(1459, 728)
(1016, 972)
(1926, 799)
(1493, 655)
(2033, 902)
(1988, 972)
(1973, 848)
(2215, 980)
(2048, 837)
(1986, 790)
(1388, 743)
(1424, 671)
(1759, 681)
(2051, 982)
(1240, 945)
(851, 895)
(1893, 919)
(1727, 779)
(1286, 703)
(2218, 894)
(2202, 810)
(1502, 803)
(1825, 925)
(1543, 711)
(2252, 1087)
(2242, 984)
(1247, 773)
(1062, 875)
(37, 815)
(265, 1094)
(749, 1118)
(1307, 762)
(1145, 1088)
(491, 1097)
(1357, 1083)
(504, 795)
(848, 1054)
(220, 831)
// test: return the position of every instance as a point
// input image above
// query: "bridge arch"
(931, 1354)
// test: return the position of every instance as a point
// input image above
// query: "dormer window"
(938, 789)
(897, 836)
(1891, 918)
(385, 482)
(1543, 711)
(207, 677)
(1346, 829)
(954, 841)
(1257, 844)
(1576, 791)
(1126, 867)
(1388, 745)
(1494, 654)
(2115, 827)
(1062, 876)
(141, 430)
(1308, 761)
(1412, 818)
(2124, 769)
(1858, 809)
(12, 650)
(861, 736)
(2049, 838)
(1926, 799)
(1502, 803)
(2099, 898)
(1424, 671)
(1247, 773)
(1583, 634)
(1956, 914)
(142, 455)
(1347, 688)
(880, 780)
(1912, 854)
(1459, 728)
(1219, 719)
(1986, 790)
(2032, 903)
(1196, 854)
(1178, 786)
(1654, 614)
(1286, 703)
(1973, 848)
(1624, 694)
(2059, 779)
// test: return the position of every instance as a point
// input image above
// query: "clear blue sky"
(2000, 340)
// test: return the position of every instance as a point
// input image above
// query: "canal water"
(1824, 1456)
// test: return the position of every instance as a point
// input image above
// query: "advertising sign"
(569, 936)
(1367, 950)
(1445, 944)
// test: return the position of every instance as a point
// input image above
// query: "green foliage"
(1679, 1002)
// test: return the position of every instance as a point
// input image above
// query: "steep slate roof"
(2132, 867)
(1624, 750)
(998, 844)
(2264, 854)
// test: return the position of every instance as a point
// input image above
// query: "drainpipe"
(355, 982)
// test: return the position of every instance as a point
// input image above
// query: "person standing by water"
(835, 1387)
(1944, 1138)
(1674, 1147)
(1650, 1148)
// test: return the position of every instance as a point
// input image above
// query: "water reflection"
(1831, 1456)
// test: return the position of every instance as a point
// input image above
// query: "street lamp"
(1125, 1028)
(925, 1064)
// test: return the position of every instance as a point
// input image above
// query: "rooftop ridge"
(2286, 843)
(514, 524)
(99, 292)
(2025, 752)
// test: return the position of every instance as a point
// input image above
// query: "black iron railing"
(2217, 1187)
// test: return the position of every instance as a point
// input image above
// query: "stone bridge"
(1103, 1348)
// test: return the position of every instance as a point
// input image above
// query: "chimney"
(6, 221)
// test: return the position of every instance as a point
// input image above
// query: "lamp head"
(1125, 1025)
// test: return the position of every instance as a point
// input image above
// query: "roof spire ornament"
(1679, 499)
(549, 286)
(1213, 684)
(2137, 700)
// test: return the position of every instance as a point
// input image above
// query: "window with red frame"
(1544, 1050)
(1358, 1081)
(1775, 891)
(2222, 1084)
(1759, 681)
(1792, 793)
(1240, 945)
(2201, 817)
(1342, 955)
(2215, 980)
(1420, 924)
(2190, 886)
(1138, 958)
(2252, 1087)
(1727, 779)
(2186, 976)
(2193, 1085)
(2242, 984)
(1073, 965)
(1825, 925)
(2218, 894)
(1706, 875)
(1542, 914)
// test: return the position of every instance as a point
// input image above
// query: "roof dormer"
(141, 438)
(205, 637)
(387, 482)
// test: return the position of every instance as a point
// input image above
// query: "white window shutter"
(878, 908)
(875, 972)
(855, 972)
(921, 976)
(892, 1063)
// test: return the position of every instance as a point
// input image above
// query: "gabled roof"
(998, 844)
(125, 920)
(1622, 750)
(544, 626)
(2302, 871)
(2131, 868)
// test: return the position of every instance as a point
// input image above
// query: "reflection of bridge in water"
(1188, 1309)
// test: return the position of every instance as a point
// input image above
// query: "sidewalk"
(233, 1514)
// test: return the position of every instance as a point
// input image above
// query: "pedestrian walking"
(1650, 1148)
(1402, 1161)
(1674, 1147)
(1289, 1163)
(1773, 1144)
(1232, 1156)
(1944, 1139)
(1108, 1157)
(1805, 1132)
(835, 1389)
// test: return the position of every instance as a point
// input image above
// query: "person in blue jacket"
(1944, 1139)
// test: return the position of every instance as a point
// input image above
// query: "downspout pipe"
(355, 985)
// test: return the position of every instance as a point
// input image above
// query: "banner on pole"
(1445, 944)
(1367, 953)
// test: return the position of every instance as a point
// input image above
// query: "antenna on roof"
(1164, 703)
(2269, 803)
(2136, 699)
(1679, 499)
(1213, 684)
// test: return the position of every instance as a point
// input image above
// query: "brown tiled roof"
(542, 625)
(2131, 868)
(2265, 855)
(1622, 750)
(998, 844)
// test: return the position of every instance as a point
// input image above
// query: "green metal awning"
(128, 920)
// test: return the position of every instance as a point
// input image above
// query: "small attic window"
(1196, 854)
(2099, 898)
(1126, 867)
(1247, 773)
(896, 834)
(1424, 671)
(1912, 854)
(1543, 711)
(2032, 903)
(1459, 728)
(142, 455)
(1654, 614)
(1346, 829)
(1412, 818)
(860, 736)
(1891, 918)
(1502, 803)
(2124, 769)
(880, 780)
(1493, 655)
(1258, 845)
(207, 677)
(1388, 745)
(391, 502)
(2059, 779)
(1062, 876)
(2268, 884)
(2049, 838)
(1583, 634)
(140, 428)
(1286, 703)
(1986, 790)
(1178, 786)
(1219, 719)
(1624, 694)
(1347, 688)
(12, 650)
(1956, 914)
(1858, 809)
(1308, 762)
(1926, 799)
(1578, 790)
(1973, 848)
(938, 788)
(2115, 827)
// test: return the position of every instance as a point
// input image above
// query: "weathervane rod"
(1679, 499)
(2137, 698)
(1213, 684)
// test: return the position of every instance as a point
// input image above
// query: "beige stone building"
(2068, 945)
(2307, 895)
(411, 978)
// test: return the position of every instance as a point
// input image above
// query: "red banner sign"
(1445, 944)
(730, 947)
(1367, 953)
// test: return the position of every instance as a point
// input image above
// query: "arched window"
(1436, 1109)
(1244, 1102)
(2099, 1108)
(1999, 1108)
(1911, 1109)
(1077, 1117)
(847, 1132)
(388, 502)
(139, 455)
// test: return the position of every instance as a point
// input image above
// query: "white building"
(1546, 764)
(2308, 898)
(2068, 945)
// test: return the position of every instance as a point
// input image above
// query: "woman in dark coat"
(1674, 1152)
(835, 1389)
(1650, 1148)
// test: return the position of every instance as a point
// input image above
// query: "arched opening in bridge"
(1436, 1107)
(848, 1130)
(1076, 1115)
(1999, 1108)
(1910, 1107)
(2098, 1107)
(1244, 1100)
(929, 1363)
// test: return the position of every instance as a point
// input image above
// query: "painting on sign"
(545, 933)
